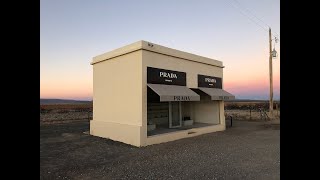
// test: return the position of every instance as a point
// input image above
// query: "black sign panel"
(164, 76)
(209, 81)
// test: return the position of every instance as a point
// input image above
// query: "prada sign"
(164, 76)
(223, 98)
(209, 81)
(181, 98)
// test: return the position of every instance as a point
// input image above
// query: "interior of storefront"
(171, 116)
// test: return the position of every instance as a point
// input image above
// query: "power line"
(248, 11)
(249, 17)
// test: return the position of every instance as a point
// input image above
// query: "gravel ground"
(248, 150)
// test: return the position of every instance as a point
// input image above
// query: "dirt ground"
(64, 117)
(247, 150)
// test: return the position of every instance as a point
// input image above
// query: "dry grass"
(65, 113)
(251, 111)
(255, 115)
(56, 117)
(68, 107)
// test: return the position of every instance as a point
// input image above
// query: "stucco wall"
(206, 112)
(117, 95)
(183, 134)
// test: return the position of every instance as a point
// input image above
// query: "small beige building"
(144, 94)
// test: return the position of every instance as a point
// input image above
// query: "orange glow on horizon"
(238, 78)
(66, 90)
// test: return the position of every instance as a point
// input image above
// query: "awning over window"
(174, 93)
(217, 94)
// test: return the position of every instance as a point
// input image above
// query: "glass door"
(175, 114)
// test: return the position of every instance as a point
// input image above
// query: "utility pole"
(270, 74)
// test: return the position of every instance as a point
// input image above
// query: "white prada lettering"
(168, 75)
(210, 80)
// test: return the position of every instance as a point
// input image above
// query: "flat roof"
(149, 46)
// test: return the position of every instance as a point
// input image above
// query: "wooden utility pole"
(270, 74)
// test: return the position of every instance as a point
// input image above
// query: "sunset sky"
(235, 32)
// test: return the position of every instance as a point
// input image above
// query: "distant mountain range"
(70, 101)
(62, 101)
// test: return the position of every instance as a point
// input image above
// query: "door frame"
(170, 115)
